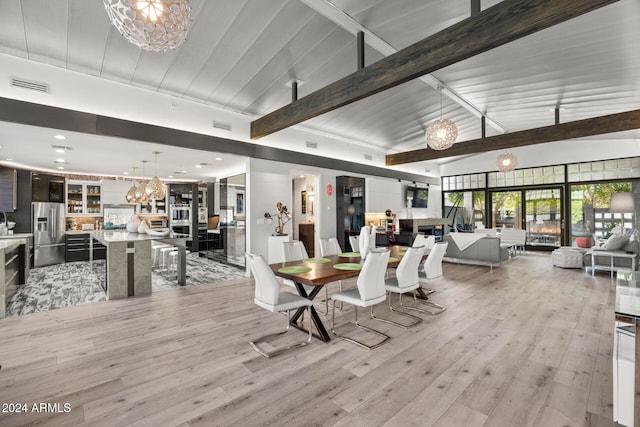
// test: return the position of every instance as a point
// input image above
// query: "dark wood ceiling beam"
(505, 22)
(578, 129)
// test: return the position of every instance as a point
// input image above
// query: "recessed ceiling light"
(125, 173)
(8, 159)
(198, 166)
(301, 176)
(60, 137)
(170, 176)
(61, 148)
(61, 167)
(218, 158)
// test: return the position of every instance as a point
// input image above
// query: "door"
(543, 210)
(506, 209)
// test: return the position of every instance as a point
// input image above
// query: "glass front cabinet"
(84, 198)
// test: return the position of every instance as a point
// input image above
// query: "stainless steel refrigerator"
(48, 226)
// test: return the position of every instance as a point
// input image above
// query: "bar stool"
(164, 256)
(173, 261)
(156, 255)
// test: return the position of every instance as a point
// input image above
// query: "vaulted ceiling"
(241, 55)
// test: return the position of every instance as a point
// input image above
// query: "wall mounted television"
(418, 196)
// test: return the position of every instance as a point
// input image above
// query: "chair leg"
(414, 319)
(267, 354)
(385, 337)
(440, 309)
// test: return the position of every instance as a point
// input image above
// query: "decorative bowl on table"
(158, 232)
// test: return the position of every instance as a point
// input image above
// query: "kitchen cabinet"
(47, 188)
(8, 189)
(306, 233)
(83, 198)
(77, 248)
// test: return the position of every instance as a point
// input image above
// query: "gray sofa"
(487, 250)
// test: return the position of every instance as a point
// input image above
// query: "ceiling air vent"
(368, 157)
(221, 125)
(27, 84)
(312, 144)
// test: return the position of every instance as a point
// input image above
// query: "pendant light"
(131, 194)
(155, 188)
(153, 25)
(506, 162)
(441, 133)
(141, 191)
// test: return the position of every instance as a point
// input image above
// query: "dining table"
(318, 272)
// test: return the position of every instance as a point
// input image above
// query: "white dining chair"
(294, 250)
(331, 246)
(355, 245)
(364, 241)
(432, 269)
(406, 280)
(428, 242)
(370, 291)
(269, 297)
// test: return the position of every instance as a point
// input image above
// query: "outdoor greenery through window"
(590, 216)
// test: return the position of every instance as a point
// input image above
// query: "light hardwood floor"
(527, 344)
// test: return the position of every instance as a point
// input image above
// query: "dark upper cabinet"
(47, 188)
(8, 189)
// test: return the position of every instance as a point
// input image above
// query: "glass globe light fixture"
(442, 133)
(506, 162)
(153, 25)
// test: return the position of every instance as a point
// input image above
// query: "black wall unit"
(349, 208)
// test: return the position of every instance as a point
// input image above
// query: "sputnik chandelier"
(441, 133)
(153, 25)
(506, 162)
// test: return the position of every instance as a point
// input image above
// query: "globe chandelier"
(441, 133)
(153, 25)
(155, 188)
(506, 162)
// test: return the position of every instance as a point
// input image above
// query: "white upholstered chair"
(364, 241)
(355, 245)
(330, 246)
(428, 242)
(432, 269)
(295, 251)
(370, 291)
(406, 280)
(269, 297)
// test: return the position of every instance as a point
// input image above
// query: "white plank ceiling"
(240, 54)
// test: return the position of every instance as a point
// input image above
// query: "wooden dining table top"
(324, 272)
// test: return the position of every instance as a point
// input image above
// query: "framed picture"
(240, 204)
(226, 214)
(303, 201)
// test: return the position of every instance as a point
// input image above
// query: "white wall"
(114, 191)
(269, 182)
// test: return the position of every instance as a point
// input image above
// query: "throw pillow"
(632, 247)
(615, 242)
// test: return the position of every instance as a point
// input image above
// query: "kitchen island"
(129, 261)
(14, 266)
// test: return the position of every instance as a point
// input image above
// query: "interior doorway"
(304, 210)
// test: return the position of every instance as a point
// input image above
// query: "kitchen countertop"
(108, 236)
(9, 244)
(17, 236)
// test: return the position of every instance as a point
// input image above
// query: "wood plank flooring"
(526, 344)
